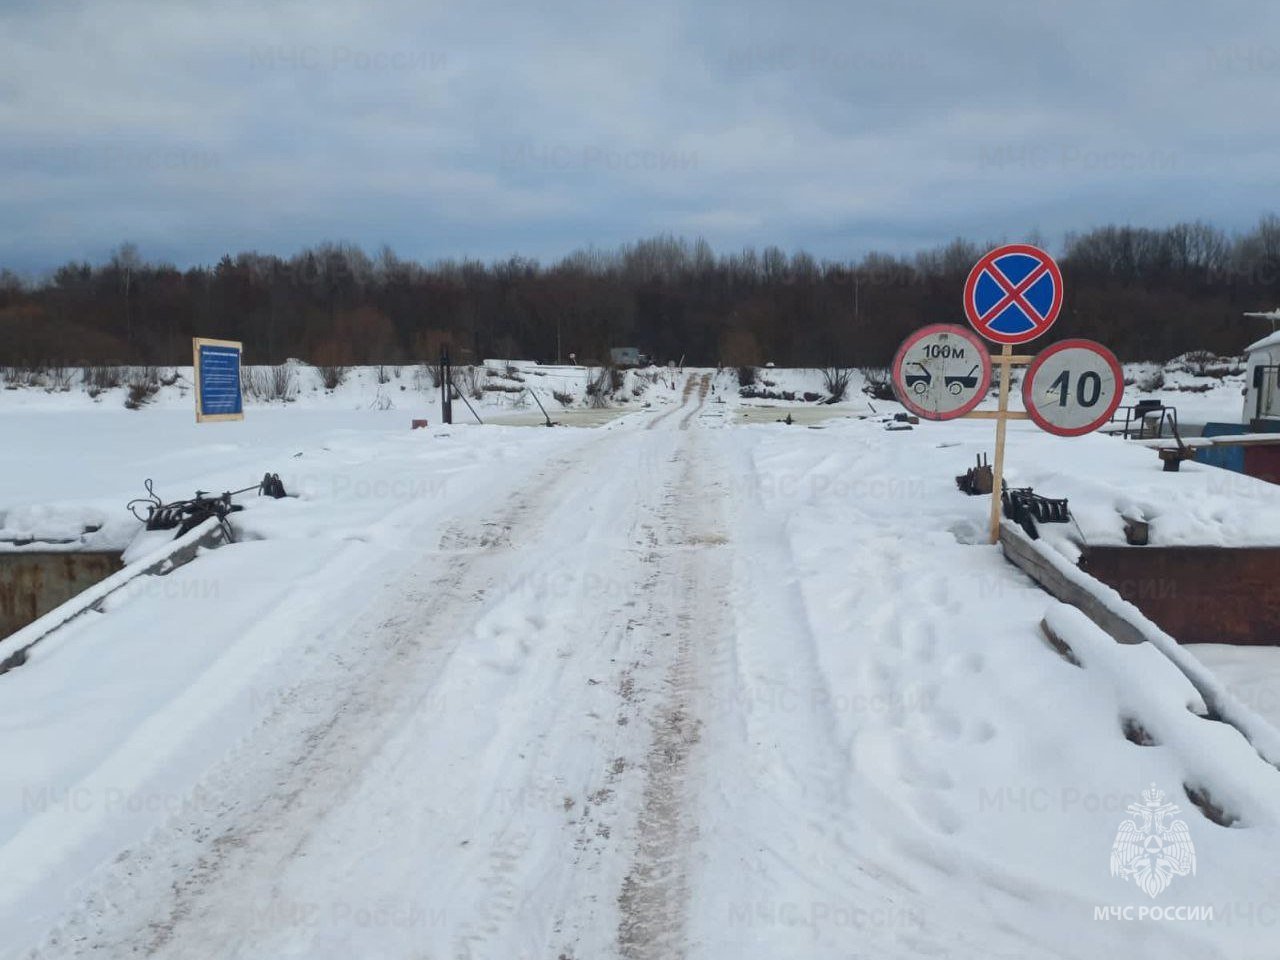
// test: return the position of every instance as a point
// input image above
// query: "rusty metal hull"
(32, 584)
(1263, 462)
(1197, 594)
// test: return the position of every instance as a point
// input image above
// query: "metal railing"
(1148, 420)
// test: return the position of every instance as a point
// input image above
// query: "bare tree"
(835, 380)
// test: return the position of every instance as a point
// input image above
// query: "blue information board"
(217, 375)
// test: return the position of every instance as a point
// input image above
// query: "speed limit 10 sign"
(1073, 387)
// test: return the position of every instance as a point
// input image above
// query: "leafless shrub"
(835, 380)
(144, 376)
(1151, 382)
(332, 375)
(21, 375)
(469, 381)
(143, 384)
(59, 379)
(746, 376)
(598, 387)
(282, 383)
(268, 383)
(878, 386)
(53, 378)
(1205, 363)
(426, 376)
(1197, 361)
(101, 377)
(562, 398)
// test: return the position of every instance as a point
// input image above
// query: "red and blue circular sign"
(941, 372)
(1013, 294)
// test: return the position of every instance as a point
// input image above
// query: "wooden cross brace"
(1005, 360)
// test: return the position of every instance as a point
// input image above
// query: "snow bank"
(908, 694)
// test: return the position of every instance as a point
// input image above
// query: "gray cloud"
(485, 129)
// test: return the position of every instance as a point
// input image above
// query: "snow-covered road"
(666, 688)
(520, 711)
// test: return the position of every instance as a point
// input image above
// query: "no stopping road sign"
(1013, 294)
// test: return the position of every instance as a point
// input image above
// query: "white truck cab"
(1262, 386)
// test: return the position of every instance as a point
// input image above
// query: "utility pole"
(446, 382)
(128, 306)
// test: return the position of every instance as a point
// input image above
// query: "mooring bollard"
(1137, 533)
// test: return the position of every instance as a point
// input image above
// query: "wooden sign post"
(1005, 360)
(1013, 295)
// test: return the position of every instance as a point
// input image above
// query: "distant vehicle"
(626, 357)
(1262, 388)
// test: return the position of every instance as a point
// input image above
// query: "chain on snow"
(186, 515)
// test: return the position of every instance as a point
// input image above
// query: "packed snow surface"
(672, 686)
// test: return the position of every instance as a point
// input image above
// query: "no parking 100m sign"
(941, 372)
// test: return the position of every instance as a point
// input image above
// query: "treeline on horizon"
(1150, 294)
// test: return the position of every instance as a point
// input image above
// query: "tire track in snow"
(780, 806)
(656, 891)
(322, 761)
(582, 915)
(689, 385)
(704, 386)
(578, 892)
(207, 886)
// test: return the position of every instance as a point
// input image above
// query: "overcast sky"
(487, 129)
